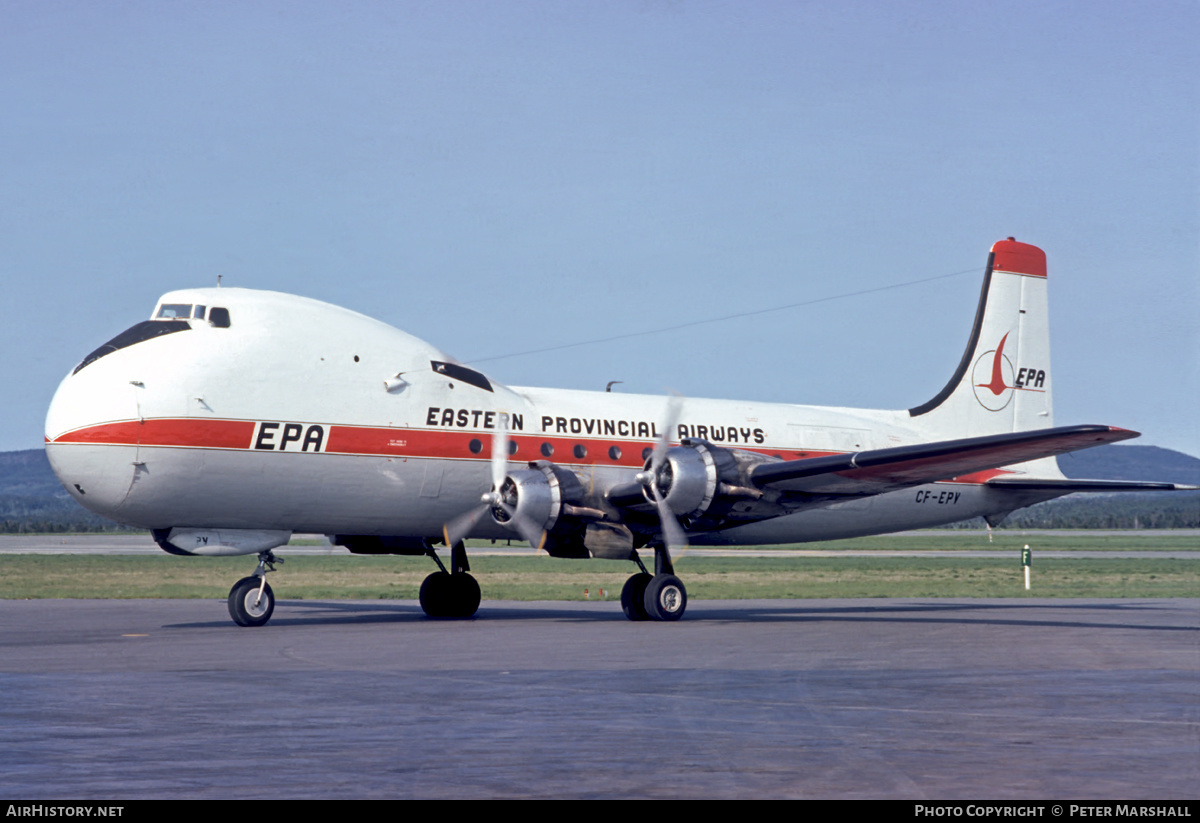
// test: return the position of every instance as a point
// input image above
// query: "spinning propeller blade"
(460, 526)
(673, 534)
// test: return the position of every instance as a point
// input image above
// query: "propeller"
(501, 498)
(673, 534)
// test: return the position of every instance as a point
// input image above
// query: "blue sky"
(505, 177)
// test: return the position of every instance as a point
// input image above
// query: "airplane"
(233, 418)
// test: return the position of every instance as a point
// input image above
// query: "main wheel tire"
(466, 593)
(666, 598)
(633, 596)
(436, 595)
(246, 607)
(450, 595)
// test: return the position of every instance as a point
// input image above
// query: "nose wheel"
(251, 601)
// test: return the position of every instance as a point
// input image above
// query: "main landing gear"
(453, 593)
(658, 596)
(251, 601)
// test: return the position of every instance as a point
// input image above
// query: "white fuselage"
(306, 417)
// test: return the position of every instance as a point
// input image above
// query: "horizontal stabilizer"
(880, 470)
(1071, 486)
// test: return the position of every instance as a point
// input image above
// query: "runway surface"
(950, 699)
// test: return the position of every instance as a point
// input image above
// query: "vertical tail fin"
(1002, 384)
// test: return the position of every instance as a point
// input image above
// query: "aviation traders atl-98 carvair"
(233, 418)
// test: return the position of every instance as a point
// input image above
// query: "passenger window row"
(579, 451)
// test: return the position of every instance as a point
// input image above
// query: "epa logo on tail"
(994, 378)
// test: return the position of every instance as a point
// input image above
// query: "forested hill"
(32, 499)
(1171, 510)
(1131, 463)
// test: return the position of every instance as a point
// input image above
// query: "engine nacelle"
(691, 475)
(536, 496)
(528, 495)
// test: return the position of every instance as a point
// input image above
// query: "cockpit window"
(198, 313)
(462, 374)
(219, 317)
(145, 330)
(168, 311)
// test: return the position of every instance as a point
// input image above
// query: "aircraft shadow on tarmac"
(333, 612)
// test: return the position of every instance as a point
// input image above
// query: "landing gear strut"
(660, 596)
(453, 593)
(251, 601)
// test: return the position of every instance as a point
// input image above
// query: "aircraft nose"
(91, 439)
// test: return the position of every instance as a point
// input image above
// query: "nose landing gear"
(251, 601)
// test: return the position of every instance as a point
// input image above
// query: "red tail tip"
(1019, 258)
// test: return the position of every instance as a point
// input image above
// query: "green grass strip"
(346, 577)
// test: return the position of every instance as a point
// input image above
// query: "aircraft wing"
(881, 470)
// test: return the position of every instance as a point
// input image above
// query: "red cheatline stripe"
(210, 434)
(378, 440)
(391, 442)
